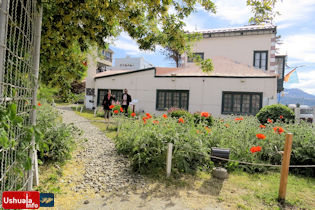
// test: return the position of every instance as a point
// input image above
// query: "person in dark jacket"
(107, 102)
(125, 100)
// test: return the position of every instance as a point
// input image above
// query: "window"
(241, 103)
(101, 67)
(261, 59)
(191, 59)
(102, 92)
(166, 99)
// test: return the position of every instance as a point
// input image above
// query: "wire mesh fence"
(17, 86)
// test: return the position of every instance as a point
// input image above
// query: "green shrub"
(146, 144)
(274, 112)
(58, 138)
(177, 113)
(205, 120)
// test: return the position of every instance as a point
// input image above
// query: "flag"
(291, 77)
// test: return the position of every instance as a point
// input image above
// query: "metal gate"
(20, 24)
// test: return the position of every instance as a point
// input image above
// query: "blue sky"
(296, 25)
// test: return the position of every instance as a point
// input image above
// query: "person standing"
(107, 102)
(126, 99)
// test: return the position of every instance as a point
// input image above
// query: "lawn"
(241, 190)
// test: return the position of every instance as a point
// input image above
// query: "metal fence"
(20, 22)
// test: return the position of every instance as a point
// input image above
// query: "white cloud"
(294, 11)
(300, 47)
(306, 81)
(236, 11)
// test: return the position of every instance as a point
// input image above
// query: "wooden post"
(169, 159)
(285, 166)
(297, 112)
(313, 114)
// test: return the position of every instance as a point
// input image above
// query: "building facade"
(245, 76)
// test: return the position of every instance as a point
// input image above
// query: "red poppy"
(165, 116)
(39, 104)
(281, 116)
(144, 118)
(262, 126)
(207, 129)
(238, 119)
(155, 122)
(116, 111)
(133, 114)
(148, 115)
(255, 149)
(181, 120)
(144, 121)
(205, 114)
(121, 109)
(260, 136)
(269, 120)
(278, 130)
(111, 106)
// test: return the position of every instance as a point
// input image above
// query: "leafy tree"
(70, 26)
(263, 11)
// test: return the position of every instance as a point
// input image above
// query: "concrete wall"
(205, 94)
(238, 48)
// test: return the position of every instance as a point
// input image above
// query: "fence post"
(285, 166)
(33, 152)
(297, 112)
(313, 114)
(169, 159)
(3, 33)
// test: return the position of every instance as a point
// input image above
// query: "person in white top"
(126, 99)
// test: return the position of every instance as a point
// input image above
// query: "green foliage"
(46, 93)
(177, 113)
(70, 27)
(274, 112)
(263, 11)
(146, 144)
(58, 138)
(208, 121)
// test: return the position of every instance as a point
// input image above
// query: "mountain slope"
(295, 95)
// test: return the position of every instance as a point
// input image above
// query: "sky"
(295, 25)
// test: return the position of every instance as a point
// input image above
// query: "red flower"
(207, 129)
(269, 120)
(278, 130)
(255, 149)
(181, 120)
(205, 114)
(197, 131)
(111, 106)
(262, 126)
(133, 114)
(116, 111)
(155, 122)
(121, 109)
(260, 136)
(281, 116)
(148, 115)
(237, 119)
(144, 121)
(165, 116)
(39, 104)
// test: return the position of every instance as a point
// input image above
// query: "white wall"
(237, 48)
(205, 94)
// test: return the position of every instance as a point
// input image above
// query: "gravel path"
(98, 178)
(105, 170)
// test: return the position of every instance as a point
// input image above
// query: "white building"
(130, 63)
(244, 77)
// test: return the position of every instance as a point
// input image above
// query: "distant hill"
(295, 95)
